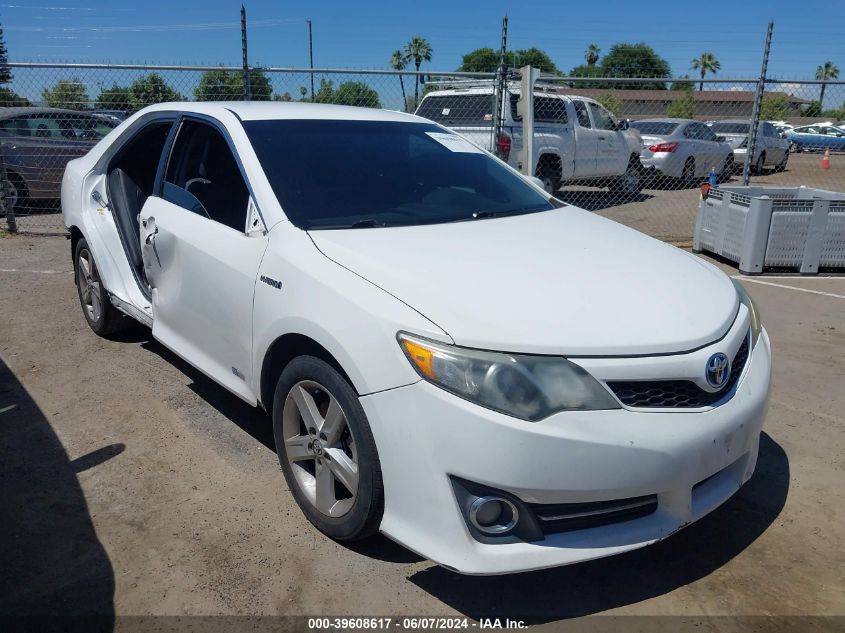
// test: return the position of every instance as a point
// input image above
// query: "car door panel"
(586, 141)
(202, 276)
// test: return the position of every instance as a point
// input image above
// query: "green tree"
(706, 63)
(591, 55)
(486, 60)
(325, 93)
(398, 62)
(418, 50)
(283, 97)
(826, 71)
(610, 101)
(150, 89)
(589, 71)
(683, 107)
(356, 93)
(775, 108)
(813, 109)
(114, 98)
(682, 84)
(481, 60)
(66, 93)
(303, 93)
(228, 85)
(11, 99)
(532, 57)
(5, 72)
(635, 60)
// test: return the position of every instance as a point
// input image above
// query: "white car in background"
(439, 361)
(771, 150)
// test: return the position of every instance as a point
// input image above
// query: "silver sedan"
(683, 149)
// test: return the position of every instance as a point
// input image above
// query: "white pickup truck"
(576, 140)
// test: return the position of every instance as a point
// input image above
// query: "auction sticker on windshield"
(454, 143)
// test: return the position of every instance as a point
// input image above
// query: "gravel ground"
(132, 485)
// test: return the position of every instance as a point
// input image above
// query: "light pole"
(311, 57)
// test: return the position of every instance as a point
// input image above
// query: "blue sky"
(363, 34)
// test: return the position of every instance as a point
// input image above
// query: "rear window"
(456, 109)
(731, 128)
(660, 128)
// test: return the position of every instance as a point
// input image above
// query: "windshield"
(661, 128)
(731, 128)
(331, 174)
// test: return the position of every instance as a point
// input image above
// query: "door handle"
(602, 138)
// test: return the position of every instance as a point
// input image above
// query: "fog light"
(493, 515)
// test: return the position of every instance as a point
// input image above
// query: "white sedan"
(494, 379)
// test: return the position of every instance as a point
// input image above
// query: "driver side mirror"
(622, 125)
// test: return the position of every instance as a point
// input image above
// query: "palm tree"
(418, 50)
(823, 73)
(398, 62)
(592, 54)
(707, 63)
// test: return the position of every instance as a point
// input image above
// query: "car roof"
(488, 90)
(273, 110)
(9, 112)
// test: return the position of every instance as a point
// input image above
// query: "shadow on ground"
(51, 561)
(596, 586)
(597, 200)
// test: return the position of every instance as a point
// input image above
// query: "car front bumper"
(692, 462)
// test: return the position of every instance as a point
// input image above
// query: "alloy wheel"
(90, 287)
(320, 449)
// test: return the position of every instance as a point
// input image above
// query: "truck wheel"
(631, 182)
(549, 171)
(327, 451)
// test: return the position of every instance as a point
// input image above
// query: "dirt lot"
(133, 485)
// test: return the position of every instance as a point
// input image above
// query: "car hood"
(558, 282)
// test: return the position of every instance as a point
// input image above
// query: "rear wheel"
(728, 168)
(549, 171)
(102, 317)
(326, 450)
(16, 192)
(688, 173)
(631, 182)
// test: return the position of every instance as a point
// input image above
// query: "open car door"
(200, 261)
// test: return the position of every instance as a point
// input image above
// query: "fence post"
(755, 112)
(6, 210)
(500, 90)
(247, 87)
(525, 108)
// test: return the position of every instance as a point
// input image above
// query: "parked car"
(117, 115)
(37, 143)
(576, 140)
(683, 149)
(782, 128)
(447, 353)
(771, 149)
(816, 137)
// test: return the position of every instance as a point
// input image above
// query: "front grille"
(566, 517)
(677, 394)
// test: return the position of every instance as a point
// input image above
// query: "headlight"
(748, 302)
(526, 387)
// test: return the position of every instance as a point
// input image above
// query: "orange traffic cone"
(826, 159)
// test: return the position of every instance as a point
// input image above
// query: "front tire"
(102, 317)
(760, 165)
(630, 184)
(327, 451)
(781, 166)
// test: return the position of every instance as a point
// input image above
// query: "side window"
(203, 176)
(601, 117)
(44, 127)
(689, 132)
(768, 129)
(550, 109)
(16, 127)
(705, 133)
(582, 114)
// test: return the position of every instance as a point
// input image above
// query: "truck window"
(550, 109)
(582, 114)
(601, 117)
(454, 109)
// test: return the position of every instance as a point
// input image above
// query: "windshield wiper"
(369, 223)
(483, 215)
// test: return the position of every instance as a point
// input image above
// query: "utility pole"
(311, 56)
(499, 91)
(755, 112)
(247, 87)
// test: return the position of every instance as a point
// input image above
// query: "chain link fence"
(634, 150)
